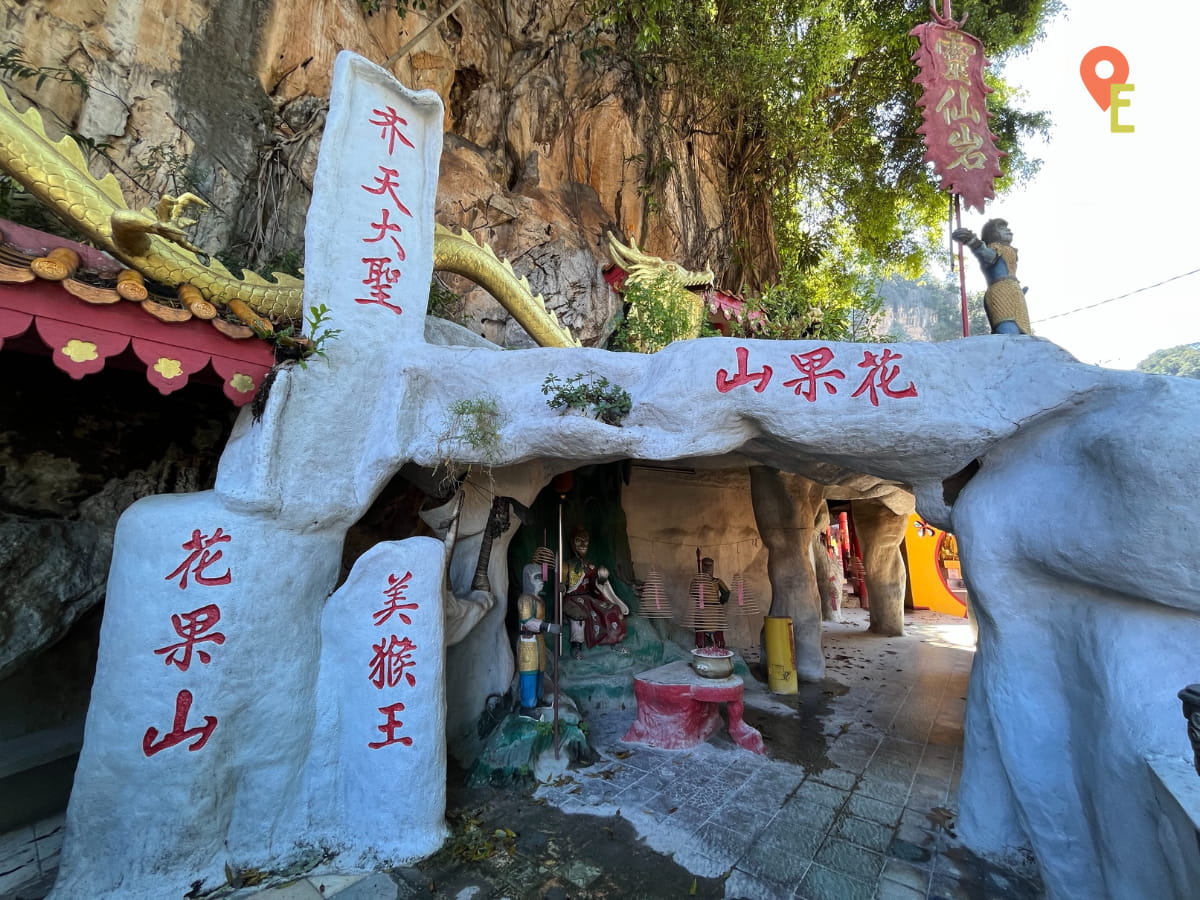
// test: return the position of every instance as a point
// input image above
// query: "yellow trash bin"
(781, 655)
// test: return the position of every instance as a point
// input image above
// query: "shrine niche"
(313, 700)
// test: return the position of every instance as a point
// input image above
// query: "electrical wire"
(1148, 287)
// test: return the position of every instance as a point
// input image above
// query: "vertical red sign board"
(954, 106)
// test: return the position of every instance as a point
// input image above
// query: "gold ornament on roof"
(168, 368)
(155, 244)
(79, 351)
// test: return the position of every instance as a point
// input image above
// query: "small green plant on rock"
(589, 393)
(290, 346)
(474, 423)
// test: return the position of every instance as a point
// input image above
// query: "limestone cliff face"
(548, 142)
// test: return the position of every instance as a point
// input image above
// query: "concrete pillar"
(828, 572)
(880, 534)
(785, 508)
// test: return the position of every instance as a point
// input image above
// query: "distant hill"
(927, 310)
(1183, 361)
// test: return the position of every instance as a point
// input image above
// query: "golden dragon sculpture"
(155, 242)
(670, 286)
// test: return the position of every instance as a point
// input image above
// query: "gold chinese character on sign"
(967, 144)
(953, 112)
(957, 55)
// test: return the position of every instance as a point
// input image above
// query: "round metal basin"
(712, 666)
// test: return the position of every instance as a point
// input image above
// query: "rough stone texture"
(547, 148)
(52, 577)
(785, 508)
(671, 514)
(881, 532)
(829, 573)
(66, 478)
(1178, 793)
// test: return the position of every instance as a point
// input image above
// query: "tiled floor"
(854, 799)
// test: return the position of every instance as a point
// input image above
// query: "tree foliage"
(659, 311)
(814, 109)
(1183, 361)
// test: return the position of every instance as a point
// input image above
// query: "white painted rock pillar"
(378, 770)
(201, 714)
(202, 748)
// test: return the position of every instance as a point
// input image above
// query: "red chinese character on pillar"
(395, 594)
(880, 376)
(192, 627)
(203, 558)
(380, 279)
(386, 185)
(811, 366)
(388, 121)
(383, 229)
(391, 728)
(726, 383)
(391, 658)
(179, 732)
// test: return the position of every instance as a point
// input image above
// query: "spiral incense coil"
(544, 557)
(654, 601)
(742, 599)
(57, 265)
(705, 610)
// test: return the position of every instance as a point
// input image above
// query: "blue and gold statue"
(1005, 298)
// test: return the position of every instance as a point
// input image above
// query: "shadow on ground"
(505, 843)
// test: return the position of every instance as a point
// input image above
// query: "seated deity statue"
(596, 613)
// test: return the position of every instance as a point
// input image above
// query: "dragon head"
(639, 264)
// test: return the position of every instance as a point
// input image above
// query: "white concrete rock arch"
(1085, 633)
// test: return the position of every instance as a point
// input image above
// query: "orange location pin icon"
(1099, 87)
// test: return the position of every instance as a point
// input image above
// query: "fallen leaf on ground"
(941, 817)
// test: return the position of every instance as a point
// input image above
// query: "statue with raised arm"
(1005, 298)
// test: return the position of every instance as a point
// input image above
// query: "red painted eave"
(82, 337)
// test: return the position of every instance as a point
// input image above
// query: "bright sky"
(1110, 213)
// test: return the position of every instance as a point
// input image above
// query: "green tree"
(814, 110)
(1183, 361)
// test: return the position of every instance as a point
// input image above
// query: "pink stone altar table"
(677, 709)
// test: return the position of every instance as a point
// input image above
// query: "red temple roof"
(84, 322)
